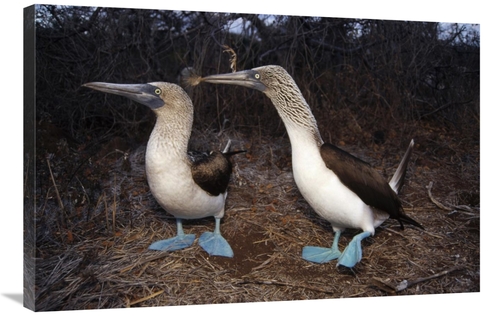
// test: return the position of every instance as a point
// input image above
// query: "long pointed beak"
(142, 93)
(244, 78)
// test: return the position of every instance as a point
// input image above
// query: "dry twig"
(59, 200)
(233, 58)
(279, 283)
(438, 204)
(403, 285)
(464, 208)
(145, 298)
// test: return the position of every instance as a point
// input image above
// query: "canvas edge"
(29, 241)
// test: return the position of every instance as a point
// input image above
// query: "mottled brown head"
(269, 79)
(275, 82)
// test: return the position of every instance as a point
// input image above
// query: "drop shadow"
(16, 297)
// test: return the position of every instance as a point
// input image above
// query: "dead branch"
(403, 285)
(438, 204)
(463, 208)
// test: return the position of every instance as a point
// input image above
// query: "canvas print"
(180, 158)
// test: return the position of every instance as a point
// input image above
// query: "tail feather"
(397, 182)
(228, 146)
(398, 178)
(228, 153)
(403, 218)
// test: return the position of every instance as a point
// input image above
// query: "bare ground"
(94, 253)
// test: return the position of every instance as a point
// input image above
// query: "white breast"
(171, 183)
(322, 189)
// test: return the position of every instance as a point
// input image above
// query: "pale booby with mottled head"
(185, 185)
(341, 188)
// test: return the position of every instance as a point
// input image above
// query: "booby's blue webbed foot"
(322, 254)
(319, 254)
(352, 253)
(175, 243)
(214, 244)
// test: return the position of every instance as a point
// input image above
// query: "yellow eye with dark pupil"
(257, 76)
(158, 91)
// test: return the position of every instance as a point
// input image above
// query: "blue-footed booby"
(187, 185)
(341, 188)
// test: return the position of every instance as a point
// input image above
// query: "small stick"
(143, 269)
(464, 208)
(394, 232)
(114, 207)
(55, 186)
(272, 257)
(145, 298)
(96, 206)
(59, 200)
(106, 210)
(403, 285)
(439, 204)
(274, 282)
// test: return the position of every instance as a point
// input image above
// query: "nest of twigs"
(95, 255)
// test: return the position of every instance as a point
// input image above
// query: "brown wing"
(362, 179)
(212, 172)
(366, 182)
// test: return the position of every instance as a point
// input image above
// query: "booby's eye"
(257, 76)
(158, 91)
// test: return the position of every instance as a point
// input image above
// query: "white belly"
(172, 185)
(329, 198)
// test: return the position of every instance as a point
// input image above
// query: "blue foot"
(178, 242)
(320, 254)
(214, 243)
(172, 244)
(353, 253)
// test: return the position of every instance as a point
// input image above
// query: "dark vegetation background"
(371, 84)
(358, 76)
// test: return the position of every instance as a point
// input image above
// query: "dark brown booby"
(187, 185)
(341, 188)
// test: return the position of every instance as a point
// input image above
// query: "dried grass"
(106, 264)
